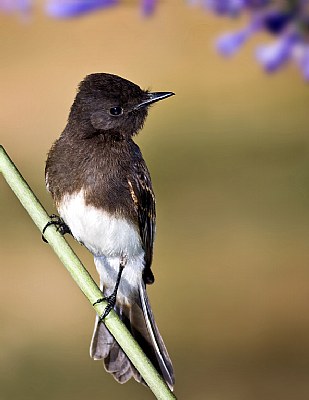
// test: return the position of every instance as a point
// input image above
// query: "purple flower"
(148, 6)
(71, 8)
(225, 7)
(74, 8)
(275, 21)
(228, 43)
(274, 55)
(287, 20)
(301, 55)
(9, 6)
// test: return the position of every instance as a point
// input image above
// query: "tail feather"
(104, 347)
(140, 322)
(102, 341)
(158, 346)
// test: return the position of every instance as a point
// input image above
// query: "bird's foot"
(61, 226)
(111, 300)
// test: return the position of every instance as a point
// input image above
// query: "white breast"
(101, 233)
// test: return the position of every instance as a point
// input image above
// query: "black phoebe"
(102, 189)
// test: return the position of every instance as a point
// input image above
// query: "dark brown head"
(110, 105)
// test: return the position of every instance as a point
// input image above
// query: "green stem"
(82, 277)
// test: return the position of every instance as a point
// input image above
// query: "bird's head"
(111, 105)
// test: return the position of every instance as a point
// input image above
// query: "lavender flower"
(288, 20)
(301, 55)
(225, 7)
(229, 43)
(74, 8)
(148, 6)
(276, 54)
(70, 8)
(10, 6)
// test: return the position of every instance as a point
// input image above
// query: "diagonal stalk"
(82, 277)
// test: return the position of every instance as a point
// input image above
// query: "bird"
(102, 189)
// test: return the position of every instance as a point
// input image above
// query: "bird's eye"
(115, 111)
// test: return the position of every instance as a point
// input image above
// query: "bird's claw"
(60, 225)
(111, 301)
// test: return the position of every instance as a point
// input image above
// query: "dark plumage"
(102, 189)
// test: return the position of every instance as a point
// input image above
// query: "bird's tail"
(139, 320)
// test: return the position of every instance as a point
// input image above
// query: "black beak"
(152, 98)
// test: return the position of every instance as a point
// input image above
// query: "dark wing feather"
(144, 200)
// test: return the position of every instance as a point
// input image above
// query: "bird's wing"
(144, 202)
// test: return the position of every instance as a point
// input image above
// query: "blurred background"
(229, 158)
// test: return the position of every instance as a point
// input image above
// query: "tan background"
(230, 165)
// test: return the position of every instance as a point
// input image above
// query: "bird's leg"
(61, 226)
(111, 300)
